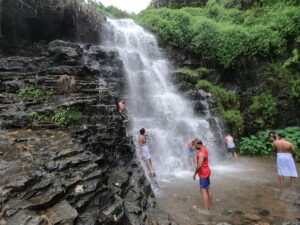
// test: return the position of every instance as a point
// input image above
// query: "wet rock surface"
(84, 174)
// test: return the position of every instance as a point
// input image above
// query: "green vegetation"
(190, 76)
(234, 120)
(226, 102)
(64, 117)
(31, 93)
(294, 90)
(263, 110)
(110, 11)
(35, 116)
(224, 99)
(227, 35)
(256, 40)
(259, 144)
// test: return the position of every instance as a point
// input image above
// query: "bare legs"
(293, 181)
(207, 197)
(281, 181)
(150, 167)
(233, 155)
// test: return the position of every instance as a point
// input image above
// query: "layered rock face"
(85, 174)
(49, 20)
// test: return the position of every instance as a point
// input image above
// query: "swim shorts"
(231, 150)
(204, 183)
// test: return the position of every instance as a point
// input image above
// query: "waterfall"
(153, 101)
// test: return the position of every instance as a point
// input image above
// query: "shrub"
(223, 99)
(259, 144)
(65, 117)
(227, 35)
(35, 116)
(31, 93)
(263, 110)
(294, 88)
(172, 26)
(205, 33)
(234, 119)
(254, 146)
(62, 117)
(190, 76)
(226, 102)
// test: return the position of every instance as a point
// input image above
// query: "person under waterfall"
(285, 152)
(190, 153)
(145, 153)
(231, 146)
(204, 172)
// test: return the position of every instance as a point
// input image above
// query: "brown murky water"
(246, 192)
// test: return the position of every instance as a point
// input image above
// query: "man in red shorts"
(203, 172)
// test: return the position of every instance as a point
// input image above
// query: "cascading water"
(153, 102)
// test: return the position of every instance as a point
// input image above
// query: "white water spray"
(152, 100)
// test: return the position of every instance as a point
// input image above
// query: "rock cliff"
(84, 174)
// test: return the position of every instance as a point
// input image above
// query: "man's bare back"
(284, 146)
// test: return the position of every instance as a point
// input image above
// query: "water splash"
(153, 101)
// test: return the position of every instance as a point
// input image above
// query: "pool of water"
(245, 192)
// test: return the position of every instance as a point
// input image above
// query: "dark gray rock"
(25, 217)
(43, 166)
(62, 213)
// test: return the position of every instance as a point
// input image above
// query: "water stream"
(153, 102)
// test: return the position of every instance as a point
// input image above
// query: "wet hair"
(142, 131)
(281, 135)
(121, 100)
(272, 136)
(199, 142)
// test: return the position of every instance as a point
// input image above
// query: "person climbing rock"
(285, 151)
(122, 111)
(145, 152)
(231, 146)
(204, 172)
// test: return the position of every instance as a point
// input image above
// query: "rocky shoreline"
(86, 173)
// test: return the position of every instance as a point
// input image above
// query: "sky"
(127, 5)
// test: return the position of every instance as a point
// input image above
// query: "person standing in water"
(190, 152)
(231, 146)
(204, 172)
(143, 144)
(285, 151)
